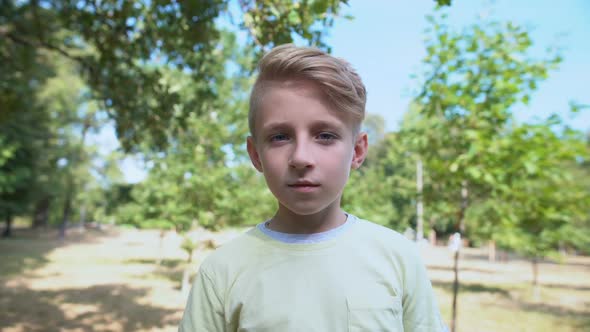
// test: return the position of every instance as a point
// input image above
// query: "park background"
(122, 160)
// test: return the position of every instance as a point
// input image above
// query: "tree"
(44, 124)
(412, 140)
(130, 56)
(575, 235)
(472, 80)
(22, 128)
(203, 176)
(123, 49)
(65, 169)
(18, 156)
(383, 189)
(543, 198)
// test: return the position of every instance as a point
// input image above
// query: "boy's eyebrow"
(326, 124)
(274, 126)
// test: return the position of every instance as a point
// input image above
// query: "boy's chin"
(304, 210)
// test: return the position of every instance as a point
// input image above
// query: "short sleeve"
(204, 309)
(420, 309)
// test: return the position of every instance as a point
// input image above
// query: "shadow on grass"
(569, 263)
(501, 257)
(19, 256)
(28, 249)
(512, 257)
(580, 318)
(113, 307)
(473, 256)
(472, 288)
(572, 287)
(168, 263)
(581, 264)
(450, 269)
(168, 269)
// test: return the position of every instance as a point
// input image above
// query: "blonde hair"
(335, 77)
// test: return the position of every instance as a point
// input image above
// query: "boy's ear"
(361, 146)
(254, 157)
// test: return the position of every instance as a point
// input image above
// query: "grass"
(500, 296)
(126, 280)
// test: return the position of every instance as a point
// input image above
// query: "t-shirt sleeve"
(420, 309)
(204, 309)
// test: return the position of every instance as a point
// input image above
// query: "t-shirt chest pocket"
(374, 313)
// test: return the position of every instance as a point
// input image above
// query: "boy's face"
(304, 149)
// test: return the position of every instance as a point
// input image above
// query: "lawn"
(129, 280)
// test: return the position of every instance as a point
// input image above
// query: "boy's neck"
(286, 221)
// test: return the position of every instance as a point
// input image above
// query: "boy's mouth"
(303, 183)
(304, 186)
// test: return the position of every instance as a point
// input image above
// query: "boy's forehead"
(281, 98)
(284, 94)
(302, 87)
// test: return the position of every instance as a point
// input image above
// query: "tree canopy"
(122, 50)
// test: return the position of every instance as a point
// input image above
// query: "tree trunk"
(432, 237)
(461, 229)
(503, 256)
(161, 247)
(67, 209)
(419, 203)
(41, 214)
(464, 204)
(536, 293)
(8, 228)
(492, 251)
(455, 291)
(83, 217)
(562, 249)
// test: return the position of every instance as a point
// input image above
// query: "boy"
(311, 267)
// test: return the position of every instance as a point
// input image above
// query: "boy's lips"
(303, 183)
(303, 186)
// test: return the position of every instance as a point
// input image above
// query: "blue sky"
(384, 42)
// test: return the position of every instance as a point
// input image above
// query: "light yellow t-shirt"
(368, 278)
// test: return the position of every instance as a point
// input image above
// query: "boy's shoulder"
(380, 234)
(240, 250)
(376, 229)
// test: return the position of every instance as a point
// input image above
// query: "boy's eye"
(326, 136)
(278, 137)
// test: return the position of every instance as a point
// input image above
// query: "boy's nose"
(301, 157)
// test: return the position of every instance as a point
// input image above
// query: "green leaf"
(294, 18)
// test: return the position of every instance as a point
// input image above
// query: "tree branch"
(48, 46)
(250, 29)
